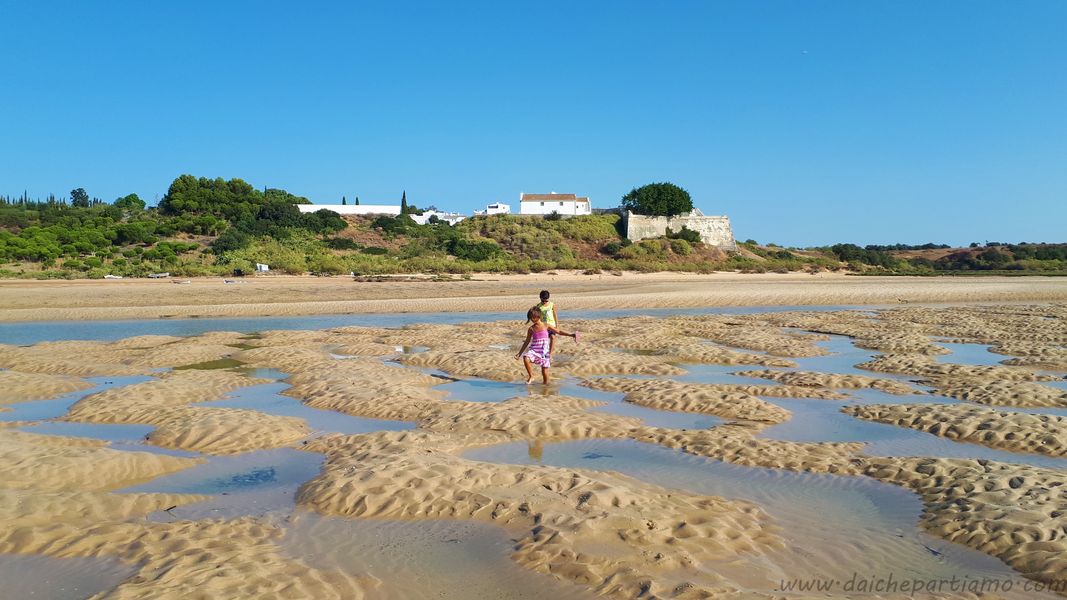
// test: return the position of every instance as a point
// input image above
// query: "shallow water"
(268, 398)
(253, 483)
(26, 576)
(970, 354)
(108, 432)
(417, 560)
(21, 334)
(482, 390)
(38, 410)
(823, 421)
(834, 526)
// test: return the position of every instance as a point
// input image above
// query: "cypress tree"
(343, 201)
(404, 203)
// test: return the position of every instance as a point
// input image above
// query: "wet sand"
(284, 295)
(204, 480)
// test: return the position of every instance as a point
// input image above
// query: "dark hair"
(533, 311)
(544, 295)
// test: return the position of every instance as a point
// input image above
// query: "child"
(551, 318)
(536, 347)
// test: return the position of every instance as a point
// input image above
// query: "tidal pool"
(268, 398)
(483, 390)
(28, 576)
(421, 560)
(835, 527)
(253, 483)
(37, 410)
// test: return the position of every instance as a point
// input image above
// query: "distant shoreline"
(61, 300)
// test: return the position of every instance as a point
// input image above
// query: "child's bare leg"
(544, 375)
(529, 369)
(552, 344)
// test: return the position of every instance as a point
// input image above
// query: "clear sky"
(807, 122)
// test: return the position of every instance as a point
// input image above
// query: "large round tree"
(658, 200)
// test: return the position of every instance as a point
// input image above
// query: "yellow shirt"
(548, 313)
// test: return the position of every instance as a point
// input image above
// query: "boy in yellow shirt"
(550, 317)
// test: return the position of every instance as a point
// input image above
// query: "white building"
(447, 217)
(353, 209)
(546, 204)
(496, 208)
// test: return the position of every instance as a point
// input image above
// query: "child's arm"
(529, 334)
(559, 331)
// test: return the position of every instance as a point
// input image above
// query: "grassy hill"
(219, 227)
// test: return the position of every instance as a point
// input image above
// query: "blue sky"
(807, 122)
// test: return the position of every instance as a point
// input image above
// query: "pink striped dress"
(538, 350)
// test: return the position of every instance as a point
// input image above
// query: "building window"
(561, 204)
(542, 204)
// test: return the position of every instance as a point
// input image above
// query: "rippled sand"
(586, 529)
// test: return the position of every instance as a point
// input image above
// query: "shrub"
(342, 244)
(230, 240)
(686, 234)
(374, 250)
(475, 250)
(681, 247)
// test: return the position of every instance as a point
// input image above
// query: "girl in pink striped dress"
(536, 350)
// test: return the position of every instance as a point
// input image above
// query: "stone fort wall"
(714, 231)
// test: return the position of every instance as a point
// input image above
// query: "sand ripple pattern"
(632, 535)
(710, 399)
(1014, 431)
(832, 380)
(23, 387)
(1013, 512)
(164, 403)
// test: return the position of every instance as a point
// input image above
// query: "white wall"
(547, 207)
(450, 218)
(353, 209)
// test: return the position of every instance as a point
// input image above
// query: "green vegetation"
(224, 227)
(658, 200)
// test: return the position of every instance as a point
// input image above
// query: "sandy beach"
(280, 295)
(389, 419)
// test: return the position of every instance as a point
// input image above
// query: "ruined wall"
(714, 231)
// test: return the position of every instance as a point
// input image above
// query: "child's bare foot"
(529, 380)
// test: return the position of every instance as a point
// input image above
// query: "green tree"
(357, 200)
(344, 202)
(234, 200)
(130, 203)
(658, 200)
(404, 203)
(79, 198)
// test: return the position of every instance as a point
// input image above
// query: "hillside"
(224, 227)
